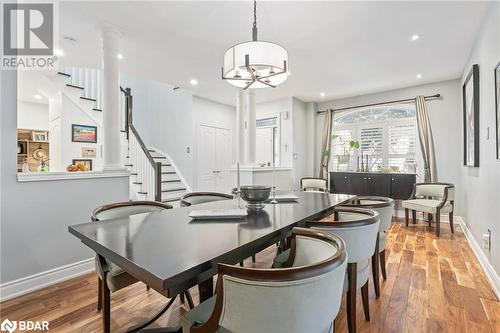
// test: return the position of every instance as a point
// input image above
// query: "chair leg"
(429, 219)
(376, 269)
(147, 288)
(253, 258)
(99, 294)
(438, 223)
(382, 264)
(414, 216)
(352, 272)
(406, 216)
(366, 302)
(106, 302)
(182, 298)
(189, 299)
(450, 215)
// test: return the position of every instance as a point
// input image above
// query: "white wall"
(34, 216)
(480, 197)
(445, 115)
(32, 115)
(210, 113)
(300, 133)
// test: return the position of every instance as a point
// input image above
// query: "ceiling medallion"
(255, 64)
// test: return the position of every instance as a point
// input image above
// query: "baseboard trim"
(41, 280)
(491, 274)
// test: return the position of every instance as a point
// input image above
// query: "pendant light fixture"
(255, 64)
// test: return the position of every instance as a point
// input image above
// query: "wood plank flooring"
(433, 285)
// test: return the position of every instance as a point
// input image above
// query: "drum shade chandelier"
(255, 64)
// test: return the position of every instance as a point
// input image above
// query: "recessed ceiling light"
(37, 96)
(414, 38)
(119, 56)
(322, 94)
(419, 76)
(58, 52)
(193, 82)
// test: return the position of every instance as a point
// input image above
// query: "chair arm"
(445, 197)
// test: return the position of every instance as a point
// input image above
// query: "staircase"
(172, 187)
(84, 84)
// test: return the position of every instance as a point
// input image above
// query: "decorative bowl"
(255, 195)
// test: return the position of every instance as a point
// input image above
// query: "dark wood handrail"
(130, 128)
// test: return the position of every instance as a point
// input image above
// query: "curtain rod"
(381, 103)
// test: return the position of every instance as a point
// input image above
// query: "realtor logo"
(28, 29)
(8, 325)
(23, 325)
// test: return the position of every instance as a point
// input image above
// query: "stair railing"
(143, 164)
(90, 79)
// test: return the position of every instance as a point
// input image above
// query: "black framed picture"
(470, 96)
(497, 107)
(83, 133)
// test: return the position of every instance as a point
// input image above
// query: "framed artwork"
(86, 162)
(83, 133)
(470, 96)
(88, 152)
(497, 107)
(40, 136)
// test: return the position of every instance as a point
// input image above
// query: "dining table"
(172, 252)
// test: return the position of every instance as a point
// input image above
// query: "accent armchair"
(433, 199)
(305, 297)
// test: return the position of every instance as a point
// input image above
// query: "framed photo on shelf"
(83, 133)
(470, 96)
(89, 152)
(40, 136)
(497, 107)
(86, 162)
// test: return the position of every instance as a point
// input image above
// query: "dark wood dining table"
(170, 252)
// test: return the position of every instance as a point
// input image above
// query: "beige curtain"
(325, 145)
(426, 141)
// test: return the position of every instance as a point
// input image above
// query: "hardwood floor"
(433, 285)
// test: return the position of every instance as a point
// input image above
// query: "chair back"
(358, 227)
(127, 208)
(302, 298)
(435, 190)
(194, 198)
(313, 184)
(382, 205)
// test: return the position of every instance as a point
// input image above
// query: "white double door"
(214, 158)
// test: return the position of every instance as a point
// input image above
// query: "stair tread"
(159, 157)
(134, 173)
(174, 189)
(88, 99)
(142, 192)
(166, 164)
(99, 110)
(168, 173)
(65, 74)
(137, 183)
(129, 165)
(73, 86)
(171, 181)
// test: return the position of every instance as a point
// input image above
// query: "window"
(387, 137)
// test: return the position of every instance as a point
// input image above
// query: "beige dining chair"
(111, 277)
(250, 300)
(310, 184)
(385, 208)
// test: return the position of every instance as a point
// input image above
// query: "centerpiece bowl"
(255, 195)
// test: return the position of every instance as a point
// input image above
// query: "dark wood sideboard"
(393, 185)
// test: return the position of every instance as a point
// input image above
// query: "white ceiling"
(339, 48)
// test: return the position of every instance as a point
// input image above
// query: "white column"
(246, 127)
(111, 41)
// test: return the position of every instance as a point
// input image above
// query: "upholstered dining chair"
(313, 184)
(252, 300)
(358, 227)
(385, 209)
(111, 277)
(433, 199)
(194, 198)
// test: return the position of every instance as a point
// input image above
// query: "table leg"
(142, 326)
(206, 289)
